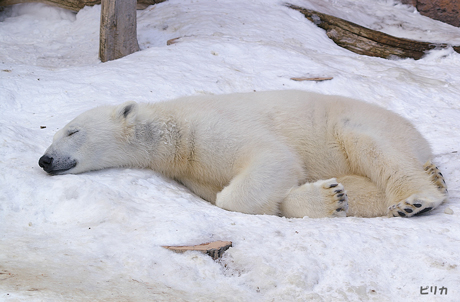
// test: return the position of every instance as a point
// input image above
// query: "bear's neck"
(163, 142)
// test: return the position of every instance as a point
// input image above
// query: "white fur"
(275, 152)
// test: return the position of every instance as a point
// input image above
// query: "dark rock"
(447, 11)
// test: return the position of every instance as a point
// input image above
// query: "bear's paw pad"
(412, 206)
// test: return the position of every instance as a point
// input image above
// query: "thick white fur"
(292, 153)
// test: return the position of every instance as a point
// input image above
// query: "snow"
(97, 236)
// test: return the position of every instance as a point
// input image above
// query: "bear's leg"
(323, 198)
(262, 183)
(395, 168)
(365, 199)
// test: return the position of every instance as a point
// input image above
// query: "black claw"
(342, 200)
(333, 185)
(340, 195)
(417, 205)
(401, 214)
(424, 211)
(440, 174)
(338, 191)
(340, 210)
(408, 210)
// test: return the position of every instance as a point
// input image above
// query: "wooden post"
(118, 37)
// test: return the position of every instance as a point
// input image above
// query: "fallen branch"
(173, 41)
(365, 41)
(214, 249)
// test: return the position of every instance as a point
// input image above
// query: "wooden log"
(118, 36)
(214, 249)
(365, 41)
(75, 5)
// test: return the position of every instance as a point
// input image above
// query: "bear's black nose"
(45, 162)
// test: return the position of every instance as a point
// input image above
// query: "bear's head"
(96, 139)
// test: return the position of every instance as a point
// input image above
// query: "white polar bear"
(291, 153)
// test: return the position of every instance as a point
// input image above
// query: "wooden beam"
(118, 36)
(75, 5)
(365, 41)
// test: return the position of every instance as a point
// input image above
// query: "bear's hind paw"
(436, 176)
(412, 206)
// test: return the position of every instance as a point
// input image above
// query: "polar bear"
(290, 153)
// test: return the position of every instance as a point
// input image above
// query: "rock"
(449, 211)
(447, 11)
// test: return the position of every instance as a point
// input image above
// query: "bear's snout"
(56, 165)
(46, 162)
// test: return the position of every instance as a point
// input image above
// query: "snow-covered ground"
(98, 236)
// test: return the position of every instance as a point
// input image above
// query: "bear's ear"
(127, 112)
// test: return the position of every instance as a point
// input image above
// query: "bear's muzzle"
(52, 166)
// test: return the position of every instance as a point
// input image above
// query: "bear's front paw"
(336, 198)
(412, 206)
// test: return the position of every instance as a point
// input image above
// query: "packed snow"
(98, 236)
